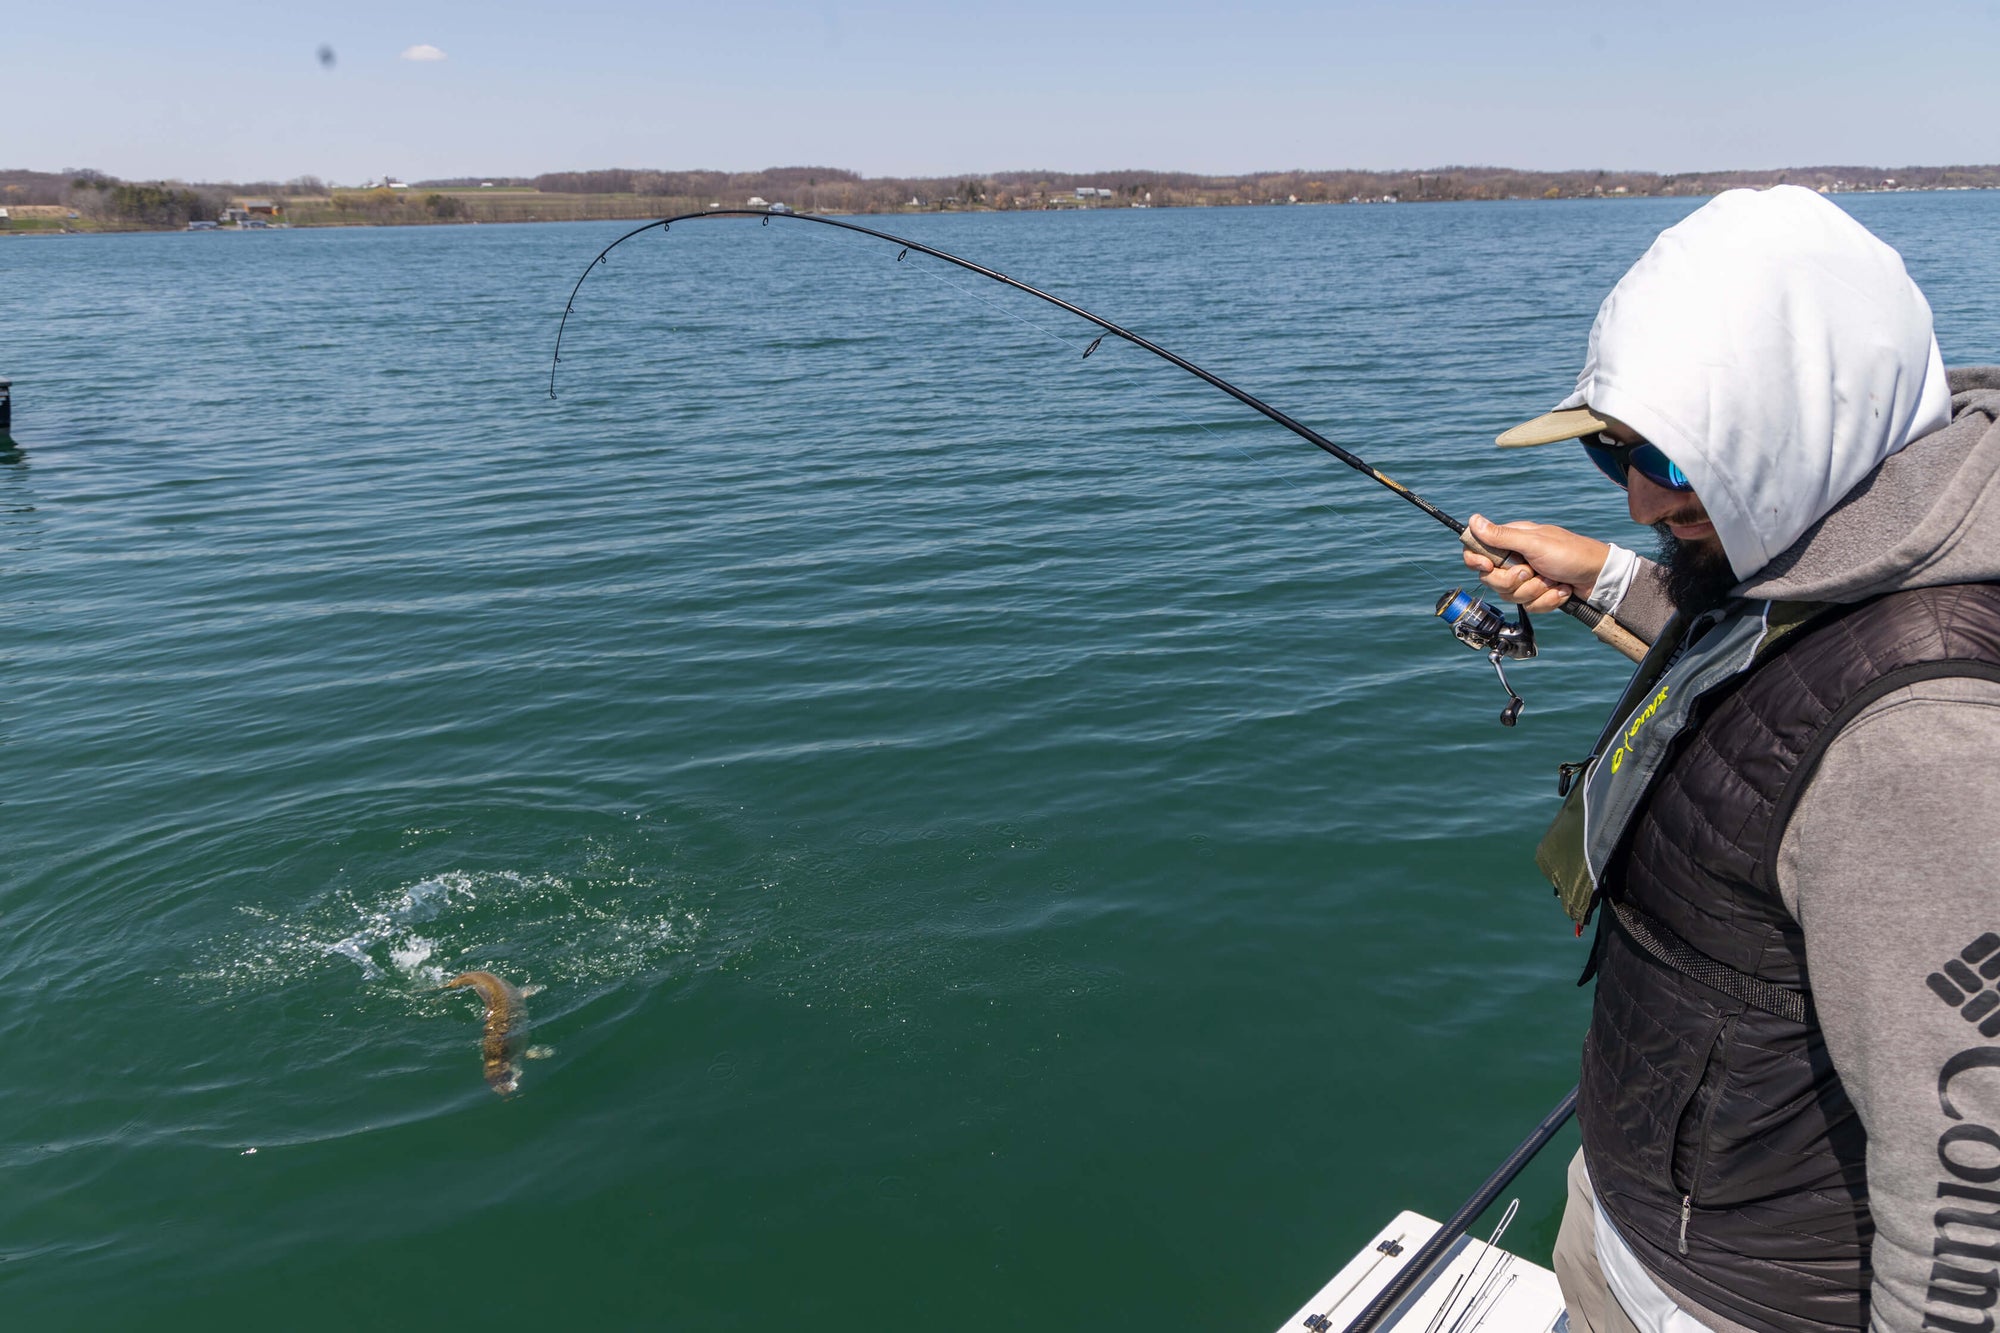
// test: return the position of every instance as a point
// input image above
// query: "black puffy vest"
(1718, 1136)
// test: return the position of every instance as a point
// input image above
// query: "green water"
(1003, 840)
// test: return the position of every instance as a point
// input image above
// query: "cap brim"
(1551, 427)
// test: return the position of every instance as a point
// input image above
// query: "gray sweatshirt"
(1891, 864)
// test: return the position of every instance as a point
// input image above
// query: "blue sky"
(216, 89)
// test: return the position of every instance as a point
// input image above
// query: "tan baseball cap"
(1551, 427)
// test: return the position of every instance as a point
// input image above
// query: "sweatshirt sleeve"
(1641, 604)
(1891, 864)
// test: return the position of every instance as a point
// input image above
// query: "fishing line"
(1013, 315)
(1500, 1261)
(1471, 619)
(1430, 575)
(1304, 432)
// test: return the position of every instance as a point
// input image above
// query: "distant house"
(486, 185)
(756, 201)
(263, 208)
(6, 222)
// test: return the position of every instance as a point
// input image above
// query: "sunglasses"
(1615, 460)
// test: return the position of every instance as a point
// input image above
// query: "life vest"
(1717, 1133)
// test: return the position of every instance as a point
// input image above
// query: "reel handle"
(1602, 627)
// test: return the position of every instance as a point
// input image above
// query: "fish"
(506, 1024)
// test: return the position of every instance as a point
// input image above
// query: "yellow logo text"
(1639, 719)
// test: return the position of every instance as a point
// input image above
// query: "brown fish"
(506, 1023)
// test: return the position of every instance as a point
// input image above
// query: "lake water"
(1005, 843)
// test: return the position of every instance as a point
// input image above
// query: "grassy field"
(30, 218)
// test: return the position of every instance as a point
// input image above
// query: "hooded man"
(1788, 832)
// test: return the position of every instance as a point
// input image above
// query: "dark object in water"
(6, 408)
(506, 1023)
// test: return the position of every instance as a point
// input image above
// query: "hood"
(1774, 349)
(1928, 515)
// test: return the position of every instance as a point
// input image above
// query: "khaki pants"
(1592, 1307)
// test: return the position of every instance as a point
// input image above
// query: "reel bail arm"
(1512, 712)
(1474, 622)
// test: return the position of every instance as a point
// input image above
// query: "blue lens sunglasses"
(1615, 460)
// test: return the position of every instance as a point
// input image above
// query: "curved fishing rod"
(1488, 632)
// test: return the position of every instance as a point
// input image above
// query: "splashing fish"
(506, 1024)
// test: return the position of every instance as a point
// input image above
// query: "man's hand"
(1558, 564)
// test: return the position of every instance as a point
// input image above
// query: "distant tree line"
(95, 194)
(834, 190)
(621, 192)
(126, 203)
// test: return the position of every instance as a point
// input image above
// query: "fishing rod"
(1434, 1250)
(1471, 619)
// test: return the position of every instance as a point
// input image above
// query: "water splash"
(542, 930)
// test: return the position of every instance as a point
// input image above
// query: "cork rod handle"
(1624, 640)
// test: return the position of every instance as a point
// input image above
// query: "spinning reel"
(1474, 622)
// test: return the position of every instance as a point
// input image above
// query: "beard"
(1699, 577)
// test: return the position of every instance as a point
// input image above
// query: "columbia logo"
(1956, 980)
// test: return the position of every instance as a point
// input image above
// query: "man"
(1789, 834)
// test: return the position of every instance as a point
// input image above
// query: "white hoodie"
(1774, 349)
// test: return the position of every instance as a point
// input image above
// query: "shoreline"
(92, 201)
(91, 227)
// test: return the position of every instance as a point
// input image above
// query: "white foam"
(406, 939)
(355, 949)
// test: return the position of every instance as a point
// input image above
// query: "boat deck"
(1477, 1288)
